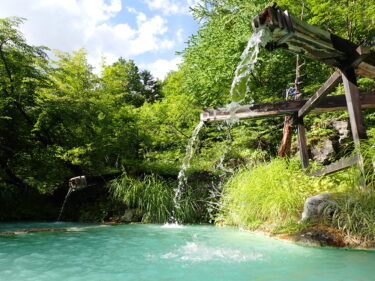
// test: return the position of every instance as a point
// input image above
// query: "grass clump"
(150, 195)
(354, 216)
(270, 196)
(153, 197)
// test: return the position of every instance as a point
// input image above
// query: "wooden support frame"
(358, 60)
(330, 104)
(302, 143)
(337, 166)
(327, 88)
(354, 106)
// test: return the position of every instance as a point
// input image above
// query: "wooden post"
(355, 114)
(302, 143)
(354, 106)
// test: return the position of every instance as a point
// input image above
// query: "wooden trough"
(285, 31)
(288, 32)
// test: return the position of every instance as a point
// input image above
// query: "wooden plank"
(337, 166)
(327, 87)
(302, 143)
(331, 103)
(354, 107)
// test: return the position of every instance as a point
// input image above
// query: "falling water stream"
(249, 57)
(63, 205)
(182, 178)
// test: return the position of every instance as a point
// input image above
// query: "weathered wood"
(291, 33)
(327, 87)
(32, 230)
(364, 64)
(337, 166)
(354, 107)
(329, 104)
(302, 143)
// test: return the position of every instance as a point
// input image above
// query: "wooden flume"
(282, 30)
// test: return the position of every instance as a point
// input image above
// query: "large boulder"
(315, 206)
(323, 152)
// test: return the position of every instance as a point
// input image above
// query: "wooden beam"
(327, 87)
(337, 166)
(302, 143)
(354, 106)
(364, 64)
(331, 103)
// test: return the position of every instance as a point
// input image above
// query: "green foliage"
(212, 55)
(352, 20)
(271, 195)
(124, 80)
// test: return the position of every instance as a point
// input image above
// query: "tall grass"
(354, 216)
(153, 196)
(354, 210)
(149, 194)
(270, 196)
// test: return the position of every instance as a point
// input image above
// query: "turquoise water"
(156, 252)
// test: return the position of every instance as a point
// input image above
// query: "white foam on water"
(197, 252)
(83, 228)
(172, 225)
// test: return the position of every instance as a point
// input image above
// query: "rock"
(323, 153)
(131, 215)
(342, 127)
(315, 205)
(323, 149)
(320, 236)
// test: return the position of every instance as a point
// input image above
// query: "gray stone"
(131, 215)
(342, 127)
(315, 206)
(323, 153)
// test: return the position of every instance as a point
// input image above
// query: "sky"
(147, 31)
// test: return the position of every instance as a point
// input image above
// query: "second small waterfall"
(182, 178)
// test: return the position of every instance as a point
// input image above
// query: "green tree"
(23, 70)
(91, 127)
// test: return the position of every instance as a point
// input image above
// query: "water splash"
(198, 252)
(172, 225)
(182, 178)
(249, 57)
(71, 189)
(232, 109)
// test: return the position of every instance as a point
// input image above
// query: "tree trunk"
(286, 142)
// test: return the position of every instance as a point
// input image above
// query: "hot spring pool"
(155, 252)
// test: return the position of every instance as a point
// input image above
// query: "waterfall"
(238, 89)
(248, 60)
(63, 205)
(182, 178)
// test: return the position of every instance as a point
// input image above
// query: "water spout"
(75, 183)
